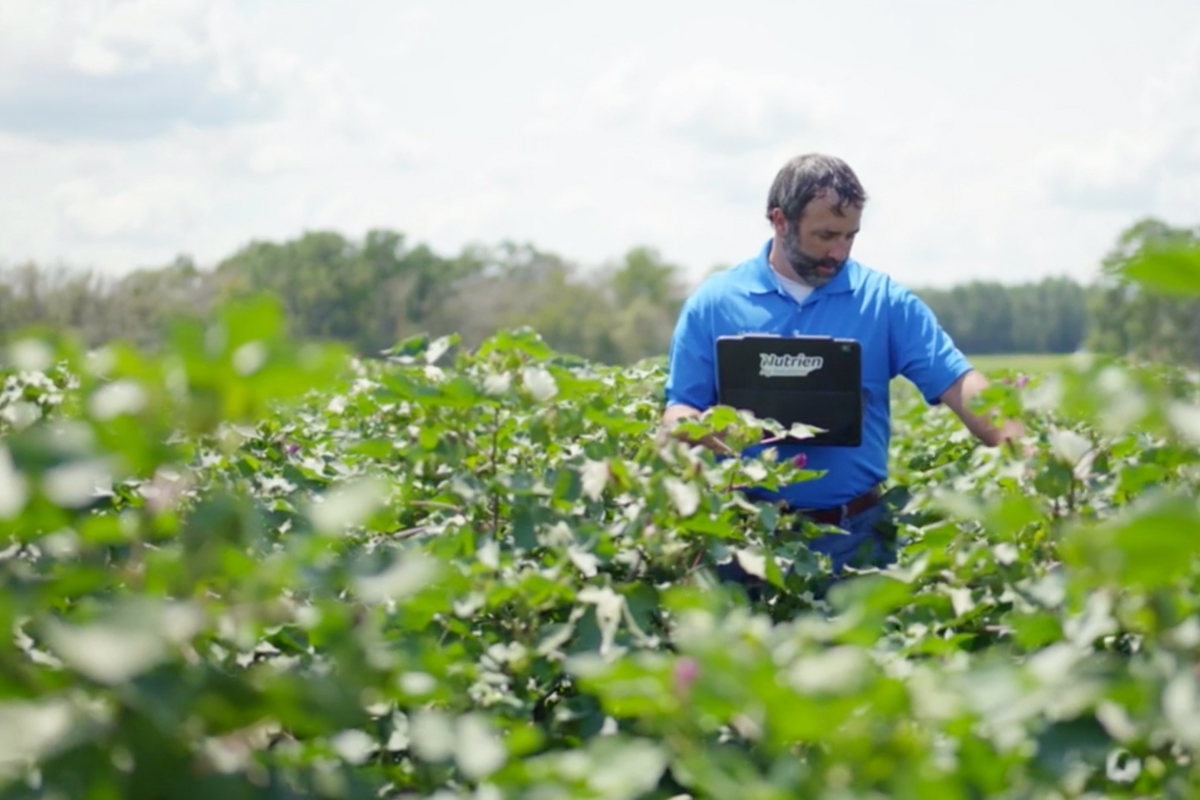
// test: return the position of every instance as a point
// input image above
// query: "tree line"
(374, 292)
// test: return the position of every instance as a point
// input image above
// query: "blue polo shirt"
(899, 336)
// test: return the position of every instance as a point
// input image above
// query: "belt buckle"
(830, 515)
(840, 513)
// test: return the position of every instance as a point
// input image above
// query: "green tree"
(332, 288)
(647, 293)
(984, 317)
(143, 305)
(1131, 317)
(519, 285)
(59, 298)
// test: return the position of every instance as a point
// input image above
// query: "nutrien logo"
(775, 365)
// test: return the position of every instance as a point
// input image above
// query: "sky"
(997, 141)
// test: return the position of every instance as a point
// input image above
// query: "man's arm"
(922, 351)
(959, 396)
(691, 376)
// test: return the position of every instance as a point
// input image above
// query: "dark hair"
(805, 177)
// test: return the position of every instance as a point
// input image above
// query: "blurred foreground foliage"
(247, 567)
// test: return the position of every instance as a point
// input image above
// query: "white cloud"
(154, 123)
(327, 126)
(715, 107)
(663, 151)
(1149, 166)
(129, 69)
(612, 98)
(160, 210)
(193, 72)
(728, 110)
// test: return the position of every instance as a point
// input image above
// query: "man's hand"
(959, 396)
(678, 412)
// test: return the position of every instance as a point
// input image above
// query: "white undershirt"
(795, 288)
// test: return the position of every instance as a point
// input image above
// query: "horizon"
(581, 269)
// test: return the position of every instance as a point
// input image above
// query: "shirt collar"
(764, 280)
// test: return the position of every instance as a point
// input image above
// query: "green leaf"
(348, 505)
(33, 731)
(1151, 545)
(1064, 745)
(685, 496)
(1173, 269)
(1036, 630)
(129, 640)
(14, 487)
(408, 574)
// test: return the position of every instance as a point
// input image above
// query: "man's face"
(817, 248)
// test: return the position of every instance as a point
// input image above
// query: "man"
(803, 282)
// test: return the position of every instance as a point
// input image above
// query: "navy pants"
(868, 541)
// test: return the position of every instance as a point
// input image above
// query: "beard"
(805, 266)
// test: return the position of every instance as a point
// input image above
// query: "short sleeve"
(691, 377)
(920, 349)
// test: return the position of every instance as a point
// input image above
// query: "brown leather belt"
(839, 514)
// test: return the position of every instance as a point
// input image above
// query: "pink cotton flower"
(685, 674)
(800, 461)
